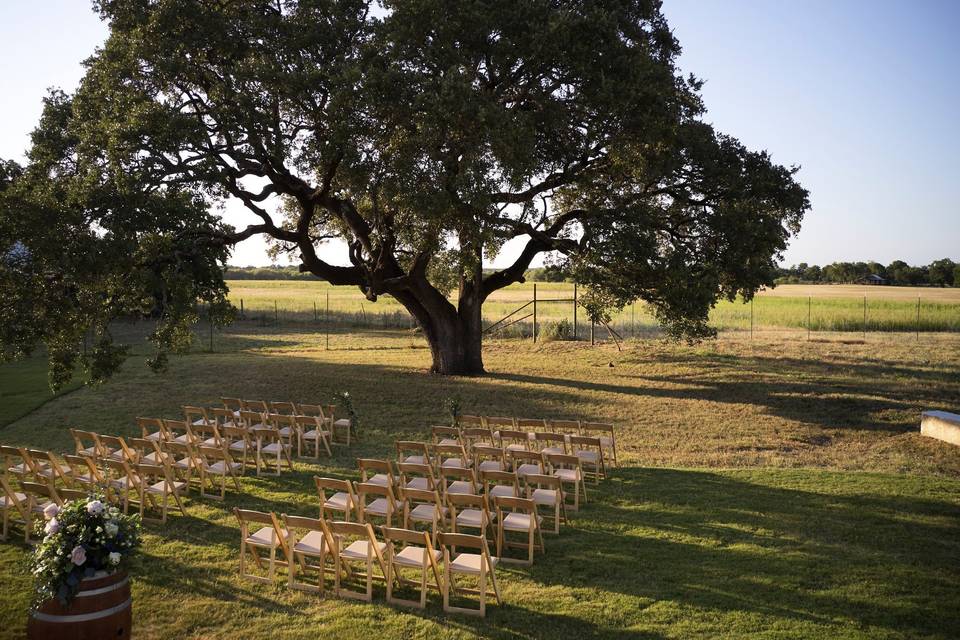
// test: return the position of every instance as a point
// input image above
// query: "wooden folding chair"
(500, 483)
(513, 440)
(216, 462)
(413, 452)
(223, 417)
(416, 476)
(48, 467)
(179, 431)
(207, 435)
(608, 439)
(16, 504)
(311, 550)
(289, 430)
(183, 460)
(253, 421)
(468, 511)
(566, 427)
(499, 423)
(445, 435)
(84, 472)
(283, 408)
(487, 457)
(157, 485)
(13, 462)
(85, 442)
(233, 405)
(384, 505)
(196, 416)
(272, 446)
(525, 462)
(548, 443)
(415, 552)
(381, 470)
(547, 491)
(479, 564)
(38, 495)
(313, 433)
(590, 452)
(152, 429)
(458, 480)
(531, 425)
(451, 455)
(343, 498)
(317, 411)
(470, 421)
(518, 515)
(473, 436)
(355, 543)
(237, 441)
(270, 537)
(123, 482)
(115, 448)
(343, 425)
(567, 469)
(259, 406)
(424, 507)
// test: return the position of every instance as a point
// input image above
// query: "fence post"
(575, 311)
(314, 310)
(808, 317)
(593, 324)
(327, 323)
(918, 318)
(864, 317)
(633, 320)
(241, 308)
(276, 314)
(534, 311)
(751, 318)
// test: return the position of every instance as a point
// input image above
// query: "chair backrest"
(222, 417)
(315, 410)
(235, 434)
(11, 497)
(246, 517)
(488, 451)
(420, 496)
(285, 408)
(472, 436)
(384, 491)
(522, 505)
(118, 444)
(500, 421)
(333, 484)
(149, 426)
(410, 470)
(232, 404)
(562, 461)
(512, 435)
(360, 530)
(68, 495)
(449, 540)
(179, 449)
(406, 536)
(83, 465)
(193, 414)
(250, 418)
(468, 500)
(260, 406)
(308, 423)
(565, 426)
(501, 478)
(122, 470)
(463, 474)
(177, 428)
(215, 454)
(585, 443)
(466, 420)
(531, 424)
(368, 465)
(84, 439)
(599, 428)
(42, 490)
(411, 447)
(281, 420)
(541, 481)
(543, 437)
(294, 523)
(526, 457)
(46, 457)
(446, 451)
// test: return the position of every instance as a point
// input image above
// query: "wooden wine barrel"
(102, 610)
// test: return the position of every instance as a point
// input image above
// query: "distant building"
(872, 279)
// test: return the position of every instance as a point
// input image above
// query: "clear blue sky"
(864, 95)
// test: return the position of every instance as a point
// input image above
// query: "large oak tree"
(425, 134)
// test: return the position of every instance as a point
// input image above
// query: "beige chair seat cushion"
(589, 456)
(162, 487)
(526, 469)
(469, 563)
(184, 439)
(314, 434)
(183, 463)
(606, 442)
(156, 435)
(380, 479)
(413, 556)
(545, 496)
(199, 423)
(471, 518)
(342, 422)
(275, 448)
(517, 521)
(567, 475)
(491, 465)
(20, 469)
(211, 442)
(425, 512)
(516, 447)
(38, 507)
(421, 484)
(238, 445)
(503, 490)
(50, 473)
(220, 468)
(310, 543)
(151, 458)
(454, 463)
(121, 483)
(6, 502)
(552, 450)
(415, 460)
(90, 451)
(358, 550)
(265, 537)
(449, 441)
(85, 478)
(339, 501)
(286, 432)
(379, 507)
(461, 486)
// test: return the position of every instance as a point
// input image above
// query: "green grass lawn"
(771, 489)
(23, 387)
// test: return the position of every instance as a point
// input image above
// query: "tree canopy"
(424, 136)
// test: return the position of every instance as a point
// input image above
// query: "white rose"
(111, 528)
(114, 558)
(94, 507)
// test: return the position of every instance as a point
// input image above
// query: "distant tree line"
(939, 273)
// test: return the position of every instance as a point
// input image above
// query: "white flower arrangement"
(79, 539)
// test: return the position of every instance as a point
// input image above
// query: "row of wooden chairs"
(340, 429)
(354, 552)
(604, 431)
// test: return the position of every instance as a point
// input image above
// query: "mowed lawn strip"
(759, 543)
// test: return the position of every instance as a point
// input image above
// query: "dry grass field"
(773, 488)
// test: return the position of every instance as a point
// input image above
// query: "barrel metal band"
(106, 589)
(82, 617)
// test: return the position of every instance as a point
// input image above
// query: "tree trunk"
(455, 335)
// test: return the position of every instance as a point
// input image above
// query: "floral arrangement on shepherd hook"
(79, 539)
(343, 399)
